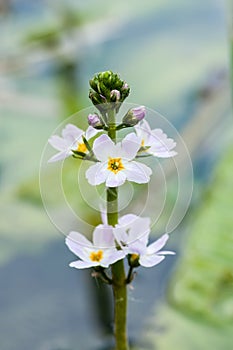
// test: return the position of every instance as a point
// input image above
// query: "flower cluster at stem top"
(113, 164)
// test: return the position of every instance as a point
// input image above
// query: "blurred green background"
(176, 57)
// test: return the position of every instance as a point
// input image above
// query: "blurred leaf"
(201, 292)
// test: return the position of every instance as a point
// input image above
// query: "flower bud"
(115, 95)
(107, 88)
(133, 260)
(95, 121)
(134, 116)
(125, 86)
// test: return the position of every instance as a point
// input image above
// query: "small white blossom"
(72, 139)
(102, 252)
(155, 142)
(132, 234)
(116, 163)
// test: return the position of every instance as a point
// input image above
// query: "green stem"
(118, 270)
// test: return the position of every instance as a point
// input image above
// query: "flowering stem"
(118, 270)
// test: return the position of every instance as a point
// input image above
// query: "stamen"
(115, 165)
(96, 256)
(82, 147)
(134, 256)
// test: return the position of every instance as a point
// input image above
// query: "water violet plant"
(120, 244)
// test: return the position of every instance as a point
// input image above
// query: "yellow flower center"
(134, 256)
(96, 256)
(115, 165)
(82, 147)
(143, 143)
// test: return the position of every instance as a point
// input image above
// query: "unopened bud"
(134, 116)
(106, 88)
(95, 121)
(125, 86)
(133, 260)
(115, 95)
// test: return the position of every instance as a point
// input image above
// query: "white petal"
(160, 137)
(127, 219)
(91, 132)
(120, 235)
(138, 172)
(161, 145)
(166, 252)
(72, 133)
(103, 213)
(145, 126)
(140, 231)
(137, 247)
(143, 130)
(115, 180)
(60, 156)
(138, 228)
(58, 143)
(97, 174)
(77, 243)
(79, 264)
(130, 146)
(103, 147)
(111, 256)
(80, 239)
(161, 153)
(103, 237)
(157, 245)
(150, 260)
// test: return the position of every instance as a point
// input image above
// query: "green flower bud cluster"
(108, 91)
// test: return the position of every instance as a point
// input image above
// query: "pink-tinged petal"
(130, 146)
(103, 147)
(91, 132)
(151, 260)
(79, 264)
(157, 245)
(71, 133)
(112, 256)
(58, 143)
(138, 172)
(103, 237)
(97, 174)
(60, 156)
(115, 180)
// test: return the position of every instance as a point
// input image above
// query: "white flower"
(130, 229)
(155, 141)
(71, 140)
(115, 164)
(102, 252)
(132, 234)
